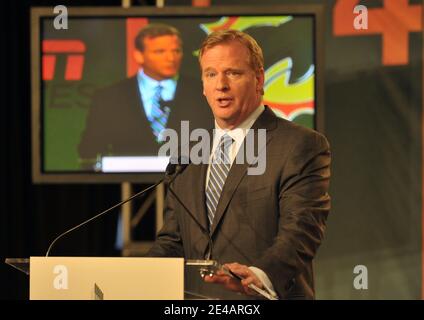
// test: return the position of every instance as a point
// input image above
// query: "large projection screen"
(83, 122)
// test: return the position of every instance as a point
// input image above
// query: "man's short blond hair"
(154, 30)
(256, 58)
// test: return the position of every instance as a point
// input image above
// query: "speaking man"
(265, 228)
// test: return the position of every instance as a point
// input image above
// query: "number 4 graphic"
(394, 22)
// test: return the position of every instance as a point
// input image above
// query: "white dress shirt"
(147, 87)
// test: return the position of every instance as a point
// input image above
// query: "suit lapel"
(237, 172)
(267, 120)
(198, 195)
(196, 199)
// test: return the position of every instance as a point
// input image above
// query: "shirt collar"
(149, 83)
(237, 134)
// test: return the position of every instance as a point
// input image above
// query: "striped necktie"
(159, 114)
(219, 168)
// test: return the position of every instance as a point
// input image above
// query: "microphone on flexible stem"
(171, 172)
(206, 232)
(183, 162)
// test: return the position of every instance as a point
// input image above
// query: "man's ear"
(260, 80)
(138, 57)
(203, 84)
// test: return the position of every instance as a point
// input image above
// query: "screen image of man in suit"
(265, 228)
(126, 118)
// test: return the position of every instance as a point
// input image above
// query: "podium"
(87, 278)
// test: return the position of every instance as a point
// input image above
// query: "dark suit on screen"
(117, 124)
(274, 221)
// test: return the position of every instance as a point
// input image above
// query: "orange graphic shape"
(394, 22)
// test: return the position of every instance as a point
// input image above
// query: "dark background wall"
(373, 122)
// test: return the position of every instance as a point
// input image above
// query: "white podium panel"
(85, 278)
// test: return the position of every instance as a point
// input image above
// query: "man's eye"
(233, 73)
(210, 74)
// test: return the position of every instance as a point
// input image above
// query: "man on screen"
(126, 119)
(265, 228)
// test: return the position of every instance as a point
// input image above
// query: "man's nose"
(222, 83)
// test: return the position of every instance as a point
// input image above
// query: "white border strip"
(134, 164)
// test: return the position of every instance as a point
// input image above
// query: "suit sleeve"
(304, 204)
(168, 241)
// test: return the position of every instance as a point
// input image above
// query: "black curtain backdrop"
(373, 122)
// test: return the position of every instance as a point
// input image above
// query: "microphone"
(203, 229)
(171, 172)
(176, 166)
(185, 162)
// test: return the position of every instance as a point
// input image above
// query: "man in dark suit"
(265, 228)
(126, 119)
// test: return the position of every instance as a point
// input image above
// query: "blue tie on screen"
(159, 114)
(219, 168)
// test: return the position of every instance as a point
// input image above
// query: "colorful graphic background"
(107, 59)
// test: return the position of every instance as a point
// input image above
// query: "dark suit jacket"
(117, 124)
(274, 221)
